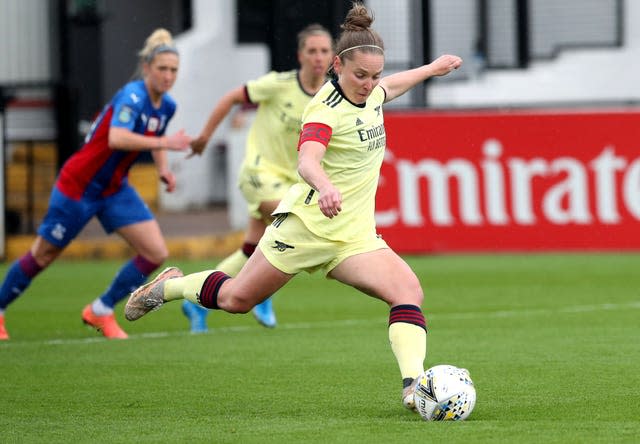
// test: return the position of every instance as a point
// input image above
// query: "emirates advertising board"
(513, 181)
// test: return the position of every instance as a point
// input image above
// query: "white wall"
(25, 35)
(211, 63)
(585, 75)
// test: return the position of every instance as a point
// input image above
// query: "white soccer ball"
(445, 393)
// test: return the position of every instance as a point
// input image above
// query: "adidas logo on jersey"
(359, 122)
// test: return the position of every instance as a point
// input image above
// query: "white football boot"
(407, 395)
(149, 296)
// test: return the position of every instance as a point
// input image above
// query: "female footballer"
(93, 182)
(326, 220)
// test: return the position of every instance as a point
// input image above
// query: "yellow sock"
(233, 263)
(186, 287)
(409, 345)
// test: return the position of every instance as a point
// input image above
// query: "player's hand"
(197, 146)
(169, 179)
(179, 141)
(330, 201)
(445, 64)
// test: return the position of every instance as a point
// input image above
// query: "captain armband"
(315, 132)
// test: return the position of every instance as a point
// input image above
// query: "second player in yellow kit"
(281, 101)
(269, 165)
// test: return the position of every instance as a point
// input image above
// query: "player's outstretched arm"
(399, 83)
(124, 139)
(220, 111)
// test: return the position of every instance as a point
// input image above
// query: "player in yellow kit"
(326, 220)
(269, 166)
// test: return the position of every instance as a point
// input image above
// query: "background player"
(93, 182)
(269, 165)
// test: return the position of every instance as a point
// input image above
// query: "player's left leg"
(125, 213)
(263, 188)
(383, 274)
(264, 312)
(146, 239)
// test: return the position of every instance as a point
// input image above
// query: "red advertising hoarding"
(513, 181)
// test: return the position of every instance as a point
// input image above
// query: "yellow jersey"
(352, 162)
(273, 138)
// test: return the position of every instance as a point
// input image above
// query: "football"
(445, 393)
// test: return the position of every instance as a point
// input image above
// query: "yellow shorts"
(261, 185)
(290, 247)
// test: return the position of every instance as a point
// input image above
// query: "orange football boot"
(4, 336)
(107, 324)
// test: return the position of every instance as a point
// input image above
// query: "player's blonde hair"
(357, 34)
(159, 41)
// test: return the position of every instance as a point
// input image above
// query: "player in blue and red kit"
(93, 182)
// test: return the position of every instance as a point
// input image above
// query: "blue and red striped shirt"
(99, 170)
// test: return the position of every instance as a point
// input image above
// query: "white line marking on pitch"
(343, 323)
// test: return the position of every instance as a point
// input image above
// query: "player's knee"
(243, 303)
(413, 291)
(45, 257)
(44, 260)
(419, 293)
(158, 256)
(231, 300)
(235, 305)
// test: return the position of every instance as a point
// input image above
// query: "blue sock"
(133, 274)
(18, 278)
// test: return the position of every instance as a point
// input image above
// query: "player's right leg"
(232, 265)
(150, 296)
(211, 288)
(265, 314)
(271, 266)
(18, 278)
(64, 219)
(22, 272)
(262, 312)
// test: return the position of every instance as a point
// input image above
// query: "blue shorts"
(66, 217)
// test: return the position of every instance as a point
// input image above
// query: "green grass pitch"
(552, 343)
